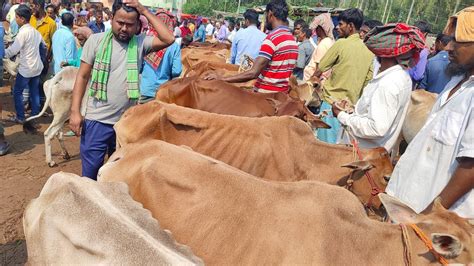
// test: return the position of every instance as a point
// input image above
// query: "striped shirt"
(281, 49)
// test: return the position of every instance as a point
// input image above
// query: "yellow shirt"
(46, 28)
(351, 64)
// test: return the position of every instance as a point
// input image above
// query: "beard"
(454, 69)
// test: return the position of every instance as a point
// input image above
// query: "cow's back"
(421, 103)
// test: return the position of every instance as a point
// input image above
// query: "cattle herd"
(218, 174)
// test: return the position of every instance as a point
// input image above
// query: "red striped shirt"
(281, 49)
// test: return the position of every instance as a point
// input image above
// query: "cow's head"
(297, 108)
(451, 235)
(309, 91)
(377, 163)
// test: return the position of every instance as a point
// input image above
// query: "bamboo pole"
(385, 10)
(456, 7)
(409, 12)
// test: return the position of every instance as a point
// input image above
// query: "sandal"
(69, 134)
(16, 120)
(4, 147)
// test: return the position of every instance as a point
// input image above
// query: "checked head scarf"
(395, 39)
(325, 22)
(154, 58)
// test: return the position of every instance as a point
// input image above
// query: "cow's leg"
(64, 152)
(51, 132)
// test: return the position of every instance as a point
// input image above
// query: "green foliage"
(435, 12)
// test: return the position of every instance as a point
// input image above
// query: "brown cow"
(193, 56)
(220, 97)
(203, 68)
(274, 148)
(228, 217)
(421, 103)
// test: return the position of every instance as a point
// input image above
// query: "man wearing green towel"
(109, 70)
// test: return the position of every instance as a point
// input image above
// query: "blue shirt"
(200, 34)
(2, 45)
(435, 78)
(96, 28)
(170, 67)
(64, 47)
(246, 41)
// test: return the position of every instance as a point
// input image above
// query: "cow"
(420, 106)
(203, 68)
(228, 217)
(58, 91)
(76, 220)
(220, 97)
(192, 56)
(274, 148)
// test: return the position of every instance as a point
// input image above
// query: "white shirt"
(231, 35)
(379, 114)
(209, 29)
(27, 43)
(107, 25)
(430, 160)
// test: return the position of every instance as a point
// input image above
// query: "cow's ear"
(316, 121)
(184, 118)
(447, 245)
(397, 211)
(359, 165)
(275, 103)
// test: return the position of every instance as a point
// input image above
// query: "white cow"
(58, 91)
(421, 103)
(76, 220)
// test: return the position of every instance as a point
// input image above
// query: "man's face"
(301, 36)
(461, 53)
(34, 8)
(268, 20)
(297, 30)
(124, 25)
(99, 18)
(20, 21)
(50, 12)
(344, 29)
(363, 31)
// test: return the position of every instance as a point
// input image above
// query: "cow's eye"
(386, 177)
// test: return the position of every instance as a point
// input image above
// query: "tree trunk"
(389, 11)
(385, 10)
(411, 9)
(456, 7)
(238, 8)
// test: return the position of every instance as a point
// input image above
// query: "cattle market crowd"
(203, 117)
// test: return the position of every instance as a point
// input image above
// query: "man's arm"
(177, 66)
(233, 51)
(82, 78)
(461, 183)
(258, 66)
(329, 59)
(165, 37)
(15, 48)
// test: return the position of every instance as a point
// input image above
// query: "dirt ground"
(23, 172)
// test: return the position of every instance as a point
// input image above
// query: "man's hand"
(335, 110)
(136, 4)
(318, 73)
(75, 122)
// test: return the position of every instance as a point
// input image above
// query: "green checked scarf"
(101, 69)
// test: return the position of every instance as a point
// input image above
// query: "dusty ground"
(23, 172)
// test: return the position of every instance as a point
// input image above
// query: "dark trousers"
(33, 85)
(97, 140)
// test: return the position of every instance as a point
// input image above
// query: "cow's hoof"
(66, 156)
(52, 164)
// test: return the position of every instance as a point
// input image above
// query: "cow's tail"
(28, 126)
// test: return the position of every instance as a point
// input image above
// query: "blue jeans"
(329, 135)
(97, 140)
(33, 85)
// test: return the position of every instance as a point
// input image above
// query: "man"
(351, 64)
(200, 33)
(297, 26)
(277, 57)
(439, 162)
(51, 12)
(232, 32)
(417, 72)
(27, 44)
(111, 60)
(160, 66)
(185, 31)
(436, 78)
(367, 26)
(379, 114)
(248, 40)
(210, 28)
(64, 43)
(42, 23)
(305, 51)
(98, 25)
(221, 35)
